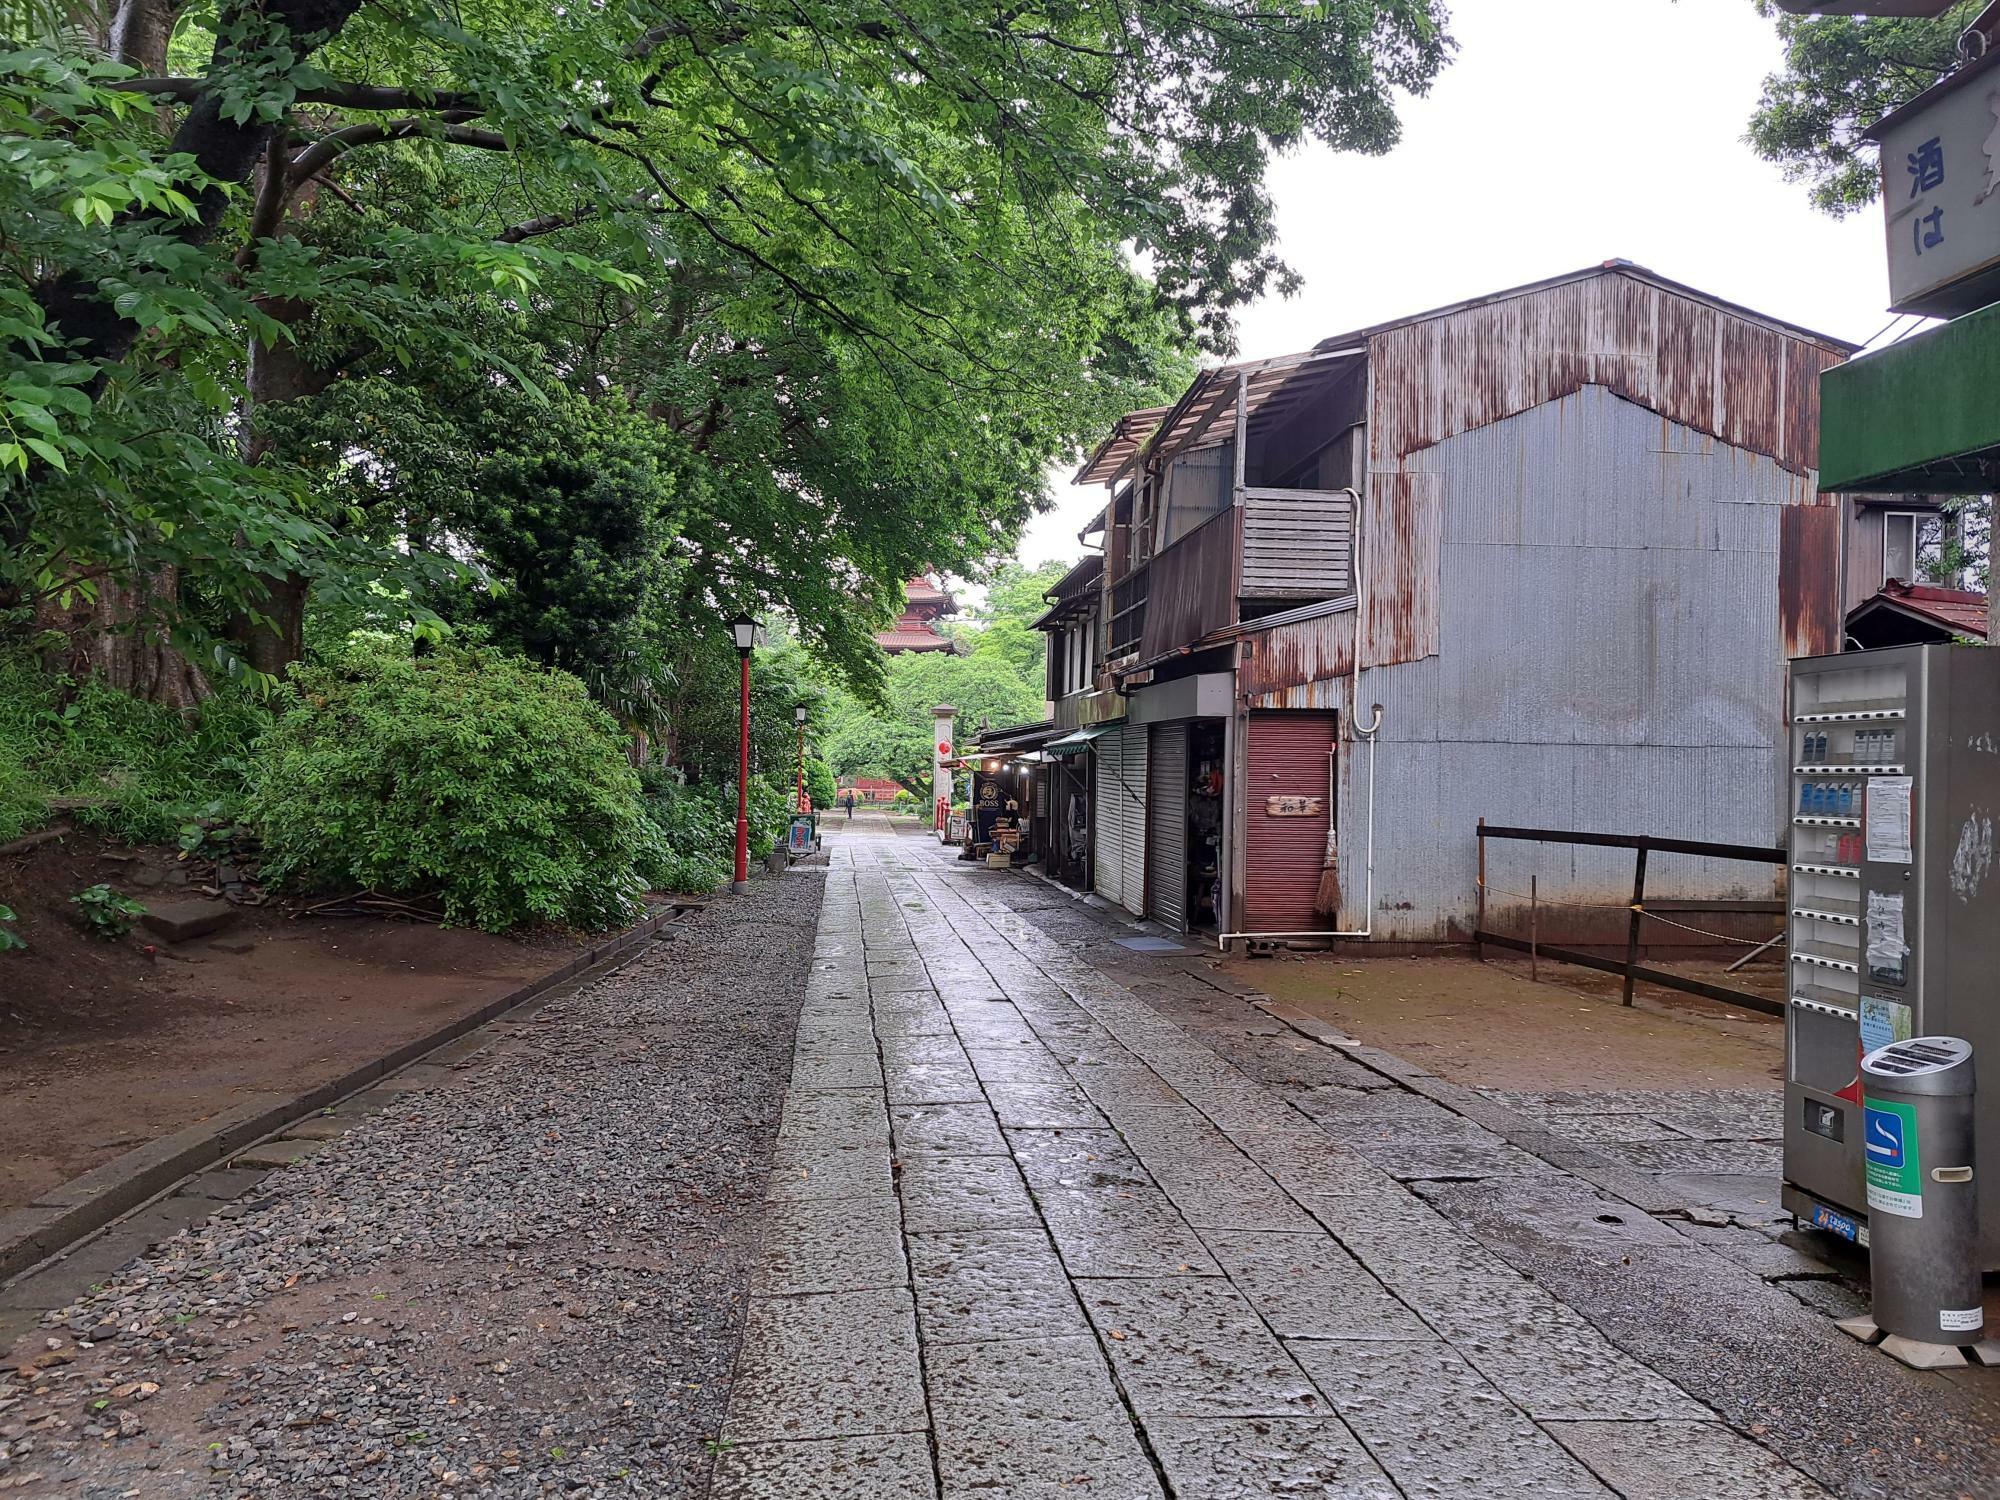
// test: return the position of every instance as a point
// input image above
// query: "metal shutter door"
(1107, 833)
(1132, 810)
(1289, 757)
(1166, 833)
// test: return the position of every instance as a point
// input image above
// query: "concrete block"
(178, 921)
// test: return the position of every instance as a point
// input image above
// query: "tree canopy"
(1841, 74)
(300, 297)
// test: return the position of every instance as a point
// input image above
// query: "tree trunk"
(120, 639)
(276, 374)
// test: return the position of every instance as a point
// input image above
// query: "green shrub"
(479, 777)
(9, 938)
(693, 843)
(693, 848)
(140, 771)
(106, 913)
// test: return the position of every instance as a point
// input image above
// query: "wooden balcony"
(1285, 546)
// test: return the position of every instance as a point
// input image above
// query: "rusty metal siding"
(1399, 569)
(1290, 755)
(1704, 367)
(1298, 655)
(1804, 364)
(1809, 606)
(1189, 588)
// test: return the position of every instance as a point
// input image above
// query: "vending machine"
(1894, 902)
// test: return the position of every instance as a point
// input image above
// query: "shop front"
(1186, 790)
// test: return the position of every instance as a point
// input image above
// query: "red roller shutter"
(1289, 757)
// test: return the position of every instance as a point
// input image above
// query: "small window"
(1912, 545)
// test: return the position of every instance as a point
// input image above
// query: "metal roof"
(1959, 611)
(1274, 390)
(1073, 592)
(1127, 433)
(1614, 267)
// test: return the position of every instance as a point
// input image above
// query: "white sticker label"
(1902, 1205)
(1961, 1320)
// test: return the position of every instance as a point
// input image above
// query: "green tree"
(1840, 75)
(868, 265)
(1004, 625)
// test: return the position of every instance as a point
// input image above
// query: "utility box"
(1892, 802)
(1923, 1200)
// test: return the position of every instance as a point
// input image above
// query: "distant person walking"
(847, 802)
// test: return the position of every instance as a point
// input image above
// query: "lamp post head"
(799, 715)
(746, 632)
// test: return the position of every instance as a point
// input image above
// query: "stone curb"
(85, 1204)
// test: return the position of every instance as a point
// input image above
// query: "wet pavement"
(1029, 1235)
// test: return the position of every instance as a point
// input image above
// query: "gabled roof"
(1955, 611)
(1629, 269)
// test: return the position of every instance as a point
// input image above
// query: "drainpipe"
(1369, 732)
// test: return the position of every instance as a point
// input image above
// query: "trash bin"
(1923, 1202)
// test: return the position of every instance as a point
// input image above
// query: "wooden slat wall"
(1297, 544)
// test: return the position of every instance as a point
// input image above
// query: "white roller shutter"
(1166, 809)
(1121, 817)
(1106, 836)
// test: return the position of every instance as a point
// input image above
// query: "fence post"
(1632, 932)
(1534, 929)
(1479, 921)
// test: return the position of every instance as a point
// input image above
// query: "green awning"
(1922, 416)
(1076, 742)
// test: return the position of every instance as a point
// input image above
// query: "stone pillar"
(943, 748)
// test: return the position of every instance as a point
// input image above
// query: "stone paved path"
(1026, 1237)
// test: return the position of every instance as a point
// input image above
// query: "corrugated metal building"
(1589, 538)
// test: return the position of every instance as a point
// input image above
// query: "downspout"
(1369, 733)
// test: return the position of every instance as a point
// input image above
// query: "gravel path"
(526, 1282)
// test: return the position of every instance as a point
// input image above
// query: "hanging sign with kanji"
(1293, 807)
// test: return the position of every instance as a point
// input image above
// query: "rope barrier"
(1540, 900)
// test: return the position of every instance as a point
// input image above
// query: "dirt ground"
(1487, 1025)
(104, 1046)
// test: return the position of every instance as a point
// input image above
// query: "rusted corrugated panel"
(1291, 757)
(1750, 387)
(1292, 656)
(1685, 387)
(1707, 367)
(1189, 589)
(1804, 364)
(1809, 616)
(1399, 569)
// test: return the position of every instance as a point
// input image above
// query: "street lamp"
(799, 718)
(746, 632)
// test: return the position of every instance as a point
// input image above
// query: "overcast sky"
(1568, 132)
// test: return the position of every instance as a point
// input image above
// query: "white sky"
(1568, 132)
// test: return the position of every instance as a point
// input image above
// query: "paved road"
(1028, 1237)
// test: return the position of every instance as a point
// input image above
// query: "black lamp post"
(746, 632)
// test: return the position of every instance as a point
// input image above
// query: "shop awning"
(1077, 742)
(1918, 417)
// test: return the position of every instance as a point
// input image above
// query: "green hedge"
(475, 776)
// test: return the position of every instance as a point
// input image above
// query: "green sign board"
(1895, 1173)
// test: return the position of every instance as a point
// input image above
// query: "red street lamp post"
(746, 632)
